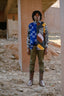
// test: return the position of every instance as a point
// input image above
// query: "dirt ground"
(13, 82)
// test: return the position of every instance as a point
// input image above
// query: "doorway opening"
(3, 29)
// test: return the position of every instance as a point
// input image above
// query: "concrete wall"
(27, 7)
(12, 26)
(52, 18)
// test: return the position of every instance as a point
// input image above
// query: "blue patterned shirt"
(33, 30)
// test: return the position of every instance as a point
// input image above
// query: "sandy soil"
(13, 82)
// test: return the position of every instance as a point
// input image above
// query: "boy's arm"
(46, 39)
(28, 41)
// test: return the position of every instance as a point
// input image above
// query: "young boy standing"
(37, 44)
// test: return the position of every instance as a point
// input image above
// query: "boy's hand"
(45, 51)
(28, 51)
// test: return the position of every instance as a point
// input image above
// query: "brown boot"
(30, 82)
(41, 82)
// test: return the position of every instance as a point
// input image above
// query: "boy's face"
(37, 17)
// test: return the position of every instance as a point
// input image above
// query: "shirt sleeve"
(28, 38)
(46, 36)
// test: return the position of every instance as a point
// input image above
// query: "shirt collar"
(38, 21)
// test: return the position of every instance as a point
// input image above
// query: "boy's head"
(36, 15)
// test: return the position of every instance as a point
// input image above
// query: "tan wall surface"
(52, 18)
(27, 7)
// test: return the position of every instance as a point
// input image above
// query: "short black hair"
(34, 13)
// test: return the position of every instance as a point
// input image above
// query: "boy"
(37, 44)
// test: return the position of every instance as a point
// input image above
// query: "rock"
(47, 69)
(19, 89)
(2, 51)
(15, 55)
(58, 52)
(5, 61)
(12, 57)
(59, 82)
(52, 66)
